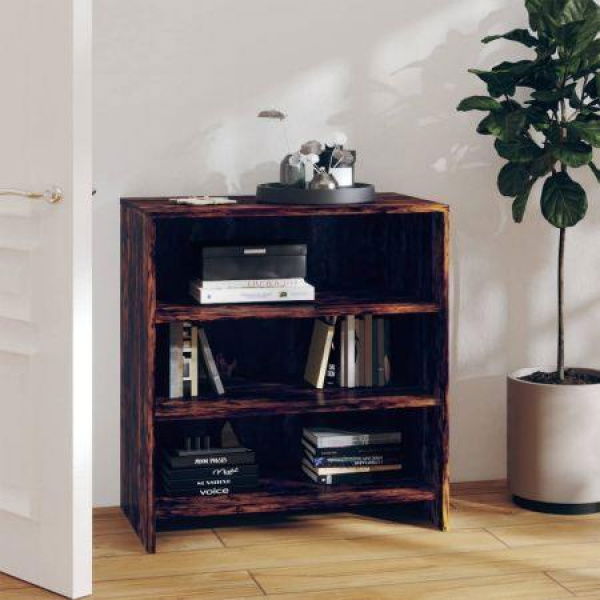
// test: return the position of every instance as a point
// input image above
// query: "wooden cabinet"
(389, 258)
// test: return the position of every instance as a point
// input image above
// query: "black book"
(208, 472)
(366, 450)
(208, 458)
(237, 482)
(211, 491)
(366, 460)
(352, 478)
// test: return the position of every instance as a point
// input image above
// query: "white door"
(45, 294)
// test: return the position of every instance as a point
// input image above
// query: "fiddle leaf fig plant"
(544, 113)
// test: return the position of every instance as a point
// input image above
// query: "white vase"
(554, 444)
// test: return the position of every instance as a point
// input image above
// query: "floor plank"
(363, 573)
(511, 587)
(418, 542)
(560, 532)
(582, 582)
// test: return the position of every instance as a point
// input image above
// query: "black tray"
(277, 193)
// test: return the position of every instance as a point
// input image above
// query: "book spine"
(242, 295)
(354, 461)
(356, 440)
(209, 363)
(175, 360)
(204, 461)
(380, 326)
(350, 334)
(231, 284)
(368, 351)
(238, 482)
(196, 473)
(352, 451)
(212, 491)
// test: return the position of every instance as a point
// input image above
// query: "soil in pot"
(572, 377)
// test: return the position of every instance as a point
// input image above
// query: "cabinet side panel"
(138, 305)
(438, 427)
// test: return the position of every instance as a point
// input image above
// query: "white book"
(175, 360)
(349, 346)
(231, 284)
(305, 292)
(348, 470)
(368, 350)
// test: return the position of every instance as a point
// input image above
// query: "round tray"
(277, 193)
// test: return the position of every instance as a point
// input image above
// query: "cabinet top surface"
(386, 203)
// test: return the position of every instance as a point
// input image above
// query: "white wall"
(177, 88)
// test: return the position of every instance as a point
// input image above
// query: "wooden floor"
(494, 551)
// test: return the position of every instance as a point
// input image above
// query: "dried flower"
(344, 158)
(336, 139)
(272, 114)
(311, 147)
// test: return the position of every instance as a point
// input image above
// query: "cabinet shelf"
(326, 304)
(263, 399)
(293, 493)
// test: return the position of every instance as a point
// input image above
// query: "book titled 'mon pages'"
(206, 458)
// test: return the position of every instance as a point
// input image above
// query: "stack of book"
(208, 472)
(238, 274)
(351, 456)
(349, 352)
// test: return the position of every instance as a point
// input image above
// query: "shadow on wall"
(177, 89)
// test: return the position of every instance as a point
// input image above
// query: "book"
(236, 482)
(351, 451)
(351, 478)
(347, 470)
(231, 284)
(211, 491)
(379, 351)
(318, 352)
(353, 461)
(208, 458)
(359, 363)
(175, 360)
(296, 293)
(334, 364)
(328, 437)
(349, 351)
(368, 350)
(209, 363)
(196, 473)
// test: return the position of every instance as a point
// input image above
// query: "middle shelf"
(264, 399)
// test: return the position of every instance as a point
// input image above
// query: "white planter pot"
(554, 445)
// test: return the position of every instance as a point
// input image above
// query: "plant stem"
(560, 359)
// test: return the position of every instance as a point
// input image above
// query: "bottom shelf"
(293, 494)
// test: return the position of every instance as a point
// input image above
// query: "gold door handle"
(52, 195)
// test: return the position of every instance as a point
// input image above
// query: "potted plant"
(544, 135)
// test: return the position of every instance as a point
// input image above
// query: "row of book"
(351, 456)
(349, 352)
(208, 471)
(190, 361)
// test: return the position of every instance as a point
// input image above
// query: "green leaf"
(588, 131)
(574, 154)
(512, 179)
(522, 150)
(520, 204)
(543, 164)
(503, 78)
(516, 35)
(479, 103)
(592, 89)
(554, 95)
(563, 202)
(595, 170)
(505, 124)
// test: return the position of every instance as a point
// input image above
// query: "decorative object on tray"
(351, 456)
(240, 274)
(317, 173)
